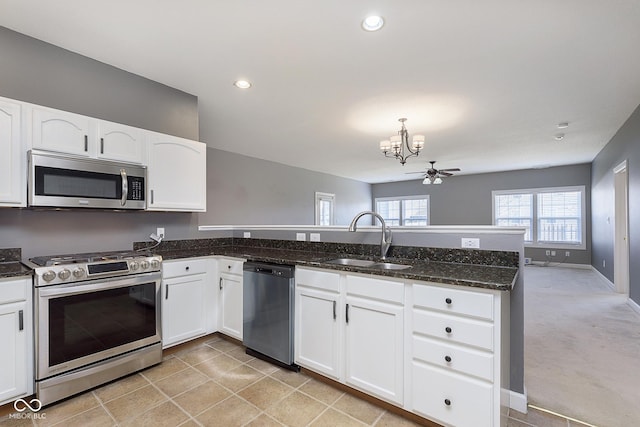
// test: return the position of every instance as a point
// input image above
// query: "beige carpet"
(582, 347)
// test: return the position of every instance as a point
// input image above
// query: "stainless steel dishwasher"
(268, 298)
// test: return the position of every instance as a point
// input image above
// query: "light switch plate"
(470, 243)
(301, 236)
(314, 237)
(246, 234)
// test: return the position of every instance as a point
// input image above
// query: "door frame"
(621, 228)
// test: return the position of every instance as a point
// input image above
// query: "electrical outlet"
(246, 234)
(314, 237)
(553, 253)
(567, 254)
(468, 242)
(547, 253)
(301, 236)
(160, 232)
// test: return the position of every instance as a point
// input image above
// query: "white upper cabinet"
(177, 174)
(55, 130)
(12, 162)
(63, 132)
(120, 142)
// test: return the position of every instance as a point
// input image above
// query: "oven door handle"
(125, 187)
(98, 285)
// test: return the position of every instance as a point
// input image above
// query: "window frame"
(401, 199)
(325, 197)
(534, 243)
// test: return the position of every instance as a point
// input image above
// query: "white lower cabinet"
(230, 297)
(184, 303)
(16, 357)
(435, 350)
(348, 336)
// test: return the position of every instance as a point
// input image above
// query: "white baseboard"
(560, 264)
(517, 401)
(634, 305)
(603, 277)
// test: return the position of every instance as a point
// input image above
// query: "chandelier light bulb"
(396, 141)
(385, 145)
(418, 142)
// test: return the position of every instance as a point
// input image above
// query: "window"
(551, 216)
(407, 211)
(324, 208)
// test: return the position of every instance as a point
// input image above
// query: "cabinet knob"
(229, 267)
(186, 268)
(448, 301)
(448, 330)
(447, 402)
(447, 359)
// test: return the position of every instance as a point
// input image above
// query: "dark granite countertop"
(10, 265)
(473, 275)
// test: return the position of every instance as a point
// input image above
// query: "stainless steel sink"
(369, 264)
(389, 266)
(352, 261)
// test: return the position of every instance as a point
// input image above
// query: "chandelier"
(395, 146)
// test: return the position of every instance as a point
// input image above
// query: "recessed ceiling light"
(559, 136)
(242, 84)
(372, 23)
(563, 125)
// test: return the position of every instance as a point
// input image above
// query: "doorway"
(621, 241)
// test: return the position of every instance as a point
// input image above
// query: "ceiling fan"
(434, 176)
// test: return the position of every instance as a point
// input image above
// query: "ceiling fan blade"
(450, 170)
(445, 173)
(409, 173)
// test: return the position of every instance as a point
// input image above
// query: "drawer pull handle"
(447, 402)
(448, 301)
(448, 330)
(447, 359)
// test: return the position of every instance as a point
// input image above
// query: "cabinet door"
(183, 308)
(13, 357)
(64, 132)
(230, 286)
(318, 322)
(120, 142)
(12, 161)
(374, 347)
(177, 172)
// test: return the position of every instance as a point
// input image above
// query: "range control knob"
(144, 264)
(78, 272)
(48, 275)
(64, 274)
(155, 263)
(133, 265)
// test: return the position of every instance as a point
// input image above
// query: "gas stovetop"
(59, 269)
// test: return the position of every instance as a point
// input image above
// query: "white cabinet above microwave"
(64, 132)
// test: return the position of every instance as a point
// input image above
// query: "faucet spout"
(385, 241)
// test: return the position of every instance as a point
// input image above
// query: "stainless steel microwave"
(59, 180)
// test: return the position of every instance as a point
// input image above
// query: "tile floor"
(214, 383)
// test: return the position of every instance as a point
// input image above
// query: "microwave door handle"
(125, 187)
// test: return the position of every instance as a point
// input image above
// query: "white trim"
(432, 229)
(634, 306)
(401, 199)
(319, 197)
(561, 265)
(608, 282)
(517, 401)
(620, 167)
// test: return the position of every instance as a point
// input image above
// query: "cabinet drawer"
(231, 266)
(318, 279)
(184, 267)
(450, 398)
(454, 329)
(454, 358)
(380, 289)
(455, 301)
(14, 290)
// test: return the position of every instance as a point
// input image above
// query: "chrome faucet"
(385, 242)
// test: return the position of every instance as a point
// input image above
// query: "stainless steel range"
(97, 318)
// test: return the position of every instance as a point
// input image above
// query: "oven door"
(81, 323)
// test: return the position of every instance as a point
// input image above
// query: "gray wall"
(466, 199)
(245, 190)
(625, 145)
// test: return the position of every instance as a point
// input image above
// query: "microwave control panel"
(136, 188)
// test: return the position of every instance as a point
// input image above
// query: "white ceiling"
(485, 81)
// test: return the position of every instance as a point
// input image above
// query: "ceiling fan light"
(438, 180)
(426, 181)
